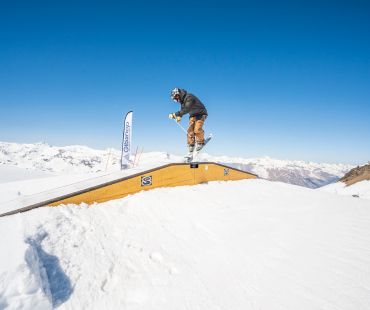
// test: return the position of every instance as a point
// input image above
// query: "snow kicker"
(96, 191)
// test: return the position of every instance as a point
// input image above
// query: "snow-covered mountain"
(68, 159)
(82, 159)
(308, 174)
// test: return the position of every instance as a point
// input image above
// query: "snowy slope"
(251, 244)
(81, 159)
(10, 173)
(359, 189)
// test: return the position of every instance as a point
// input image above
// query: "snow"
(251, 244)
(359, 189)
(81, 159)
(22, 277)
(31, 192)
(11, 173)
(296, 172)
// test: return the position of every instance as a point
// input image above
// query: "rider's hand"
(173, 116)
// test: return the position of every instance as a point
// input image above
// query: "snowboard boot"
(191, 149)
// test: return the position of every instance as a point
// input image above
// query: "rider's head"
(176, 94)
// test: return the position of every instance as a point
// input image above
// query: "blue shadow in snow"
(56, 280)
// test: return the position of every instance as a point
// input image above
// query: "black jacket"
(190, 104)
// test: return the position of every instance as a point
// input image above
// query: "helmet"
(175, 93)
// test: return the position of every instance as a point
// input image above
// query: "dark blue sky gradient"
(288, 80)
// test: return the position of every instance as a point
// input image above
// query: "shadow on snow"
(55, 283)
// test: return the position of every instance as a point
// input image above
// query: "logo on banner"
(146, 180)
(226, 172)
(126, 142)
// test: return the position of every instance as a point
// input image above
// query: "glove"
(173, 116)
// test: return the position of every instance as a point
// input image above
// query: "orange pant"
(195, 130)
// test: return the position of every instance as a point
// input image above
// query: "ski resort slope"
(251, 244)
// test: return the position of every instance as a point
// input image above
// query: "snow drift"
(357, 190)
(251, 244)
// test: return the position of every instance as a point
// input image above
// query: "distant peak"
(358, 174)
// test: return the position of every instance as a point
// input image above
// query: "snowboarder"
(197, 115)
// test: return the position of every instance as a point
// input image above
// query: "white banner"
(126, 141)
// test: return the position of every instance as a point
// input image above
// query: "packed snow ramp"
(175, 174)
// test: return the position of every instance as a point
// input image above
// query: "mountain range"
(43, 157)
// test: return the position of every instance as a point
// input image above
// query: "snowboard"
(193, 156)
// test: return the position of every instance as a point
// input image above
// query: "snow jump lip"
(169, 175)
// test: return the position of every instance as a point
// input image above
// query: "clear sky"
(289, 80)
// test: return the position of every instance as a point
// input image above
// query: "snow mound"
(358, 190)
(250, 244)
(23, 280)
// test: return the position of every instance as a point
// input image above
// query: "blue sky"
(288, 80)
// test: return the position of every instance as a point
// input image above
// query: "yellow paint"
(166, 176)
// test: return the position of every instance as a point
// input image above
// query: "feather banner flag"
(126, 141)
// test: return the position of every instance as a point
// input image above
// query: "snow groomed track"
(115, 186)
